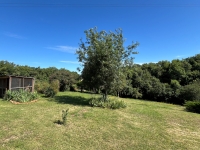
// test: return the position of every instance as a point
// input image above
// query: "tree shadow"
(73, 100)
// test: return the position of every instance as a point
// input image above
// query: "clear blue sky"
(47, 32)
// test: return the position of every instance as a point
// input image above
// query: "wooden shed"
(15, 83)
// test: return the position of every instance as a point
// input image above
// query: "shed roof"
(7, 76)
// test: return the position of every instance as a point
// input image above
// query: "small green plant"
(64, 116)
(193, 106)
(34, 95)
(8, 95)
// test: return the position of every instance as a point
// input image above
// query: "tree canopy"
(105, 59)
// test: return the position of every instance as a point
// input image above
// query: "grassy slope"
(142, 125)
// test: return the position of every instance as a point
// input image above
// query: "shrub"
(55, 85)
(53, 89)
(97, 102)
(20, 96)
(8, 95)
(110, 103)
(73, 88)
(193, 106)
(50, 92)
(191, 92)
(41, 86)
(116, 104)
(34, 95)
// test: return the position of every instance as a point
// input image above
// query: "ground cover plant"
(141, 125)
(20, 96)
(109, 103)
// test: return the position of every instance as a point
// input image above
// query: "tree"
(7, 68)
(65, 77)
(105, 59)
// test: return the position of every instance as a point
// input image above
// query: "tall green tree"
(105, 60)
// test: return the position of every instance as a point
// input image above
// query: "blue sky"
(46, 33)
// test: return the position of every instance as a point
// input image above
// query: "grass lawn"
(142, 125)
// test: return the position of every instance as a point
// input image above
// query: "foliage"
(41, 86)
(73, 87)
(8, 95)
(167, 81)
(116, 104)
(7, 68)
(20, 96)
(191, 91)
(105, 60)
(65, 77)
(193, 106)
(110, 103)
(64, 116)
(52, 89)
(55, 85)
(50, 92)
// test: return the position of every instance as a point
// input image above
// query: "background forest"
(164, 81)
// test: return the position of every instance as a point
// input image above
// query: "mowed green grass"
(142, 125)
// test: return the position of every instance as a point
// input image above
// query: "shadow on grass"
(73, 100)
(58, 122)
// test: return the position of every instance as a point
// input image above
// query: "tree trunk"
(105, 95)
(118, 94)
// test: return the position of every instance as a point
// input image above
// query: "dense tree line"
(175, 81)
(108, 67)
(166, 81)
(43, 76)
(172, 82)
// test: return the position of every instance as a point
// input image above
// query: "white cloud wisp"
(67, 49)
(69, 62)
(16, 36)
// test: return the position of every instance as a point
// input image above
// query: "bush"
(53, 89)
(8, 95)
(41, 86)
(97, 102)
(110, 103)
(73, 88)
(116, 104)
(20, 96)
(193, 106)
(34, 95)
(191, 92)
(55, 85)
(50, 92)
